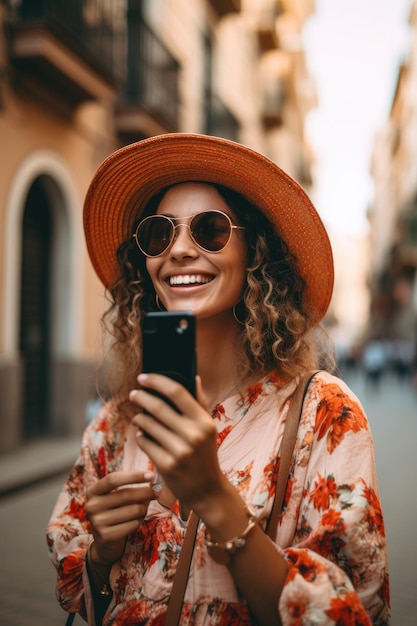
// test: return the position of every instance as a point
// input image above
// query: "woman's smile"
(189, 279)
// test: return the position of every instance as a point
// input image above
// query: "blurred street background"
(327, 90)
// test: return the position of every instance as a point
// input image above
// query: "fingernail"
(149, 476)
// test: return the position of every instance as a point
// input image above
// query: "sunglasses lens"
(154, 235)
(211, 230)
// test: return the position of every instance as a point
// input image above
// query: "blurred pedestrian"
(374, 361)
(402, 359)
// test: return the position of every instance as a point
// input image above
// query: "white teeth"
(189, 279)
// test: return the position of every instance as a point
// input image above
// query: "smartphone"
(169, 346)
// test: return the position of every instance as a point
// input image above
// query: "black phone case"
(169, 346)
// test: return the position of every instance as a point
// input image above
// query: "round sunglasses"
(211, 231)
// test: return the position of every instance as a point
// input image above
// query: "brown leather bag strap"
(287, 449)
(181, 575)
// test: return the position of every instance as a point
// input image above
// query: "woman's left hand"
(183, 445)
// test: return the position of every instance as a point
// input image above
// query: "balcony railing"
(266, 13)
(220, 122)
(408, 230)
(86, 27)
(151, 84)
(303, 171)
(224, 7)
(273, 102)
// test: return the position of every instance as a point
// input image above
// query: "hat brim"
(129, 177)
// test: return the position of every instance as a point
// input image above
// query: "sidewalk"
(37, 461)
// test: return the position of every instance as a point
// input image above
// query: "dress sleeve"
(337, 561)
(68, 532)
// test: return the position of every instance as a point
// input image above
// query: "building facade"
(79, 79)
(393, 215)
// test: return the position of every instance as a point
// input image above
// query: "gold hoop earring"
(158, 303)
(241, 319)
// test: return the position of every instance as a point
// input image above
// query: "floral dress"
(331, 533)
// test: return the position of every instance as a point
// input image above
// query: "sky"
(353, 50)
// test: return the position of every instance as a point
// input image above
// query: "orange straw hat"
(129, 177)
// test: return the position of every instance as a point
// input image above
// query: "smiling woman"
(197, 223)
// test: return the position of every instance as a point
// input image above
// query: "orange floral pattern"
(336, 416)
(331, 532)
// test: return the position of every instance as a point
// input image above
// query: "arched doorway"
(35, 309)
(43, 200)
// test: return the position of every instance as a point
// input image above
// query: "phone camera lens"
(182, 326)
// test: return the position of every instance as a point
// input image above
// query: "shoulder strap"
(181, 575)
(287, 448)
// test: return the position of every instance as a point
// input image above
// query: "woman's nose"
(183, 244)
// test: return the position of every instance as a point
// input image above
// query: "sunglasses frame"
(172, 221)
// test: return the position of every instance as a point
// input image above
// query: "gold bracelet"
(222, 552)
(104, 590)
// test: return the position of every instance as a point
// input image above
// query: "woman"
(189, 222)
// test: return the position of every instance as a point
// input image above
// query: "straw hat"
(129, 177)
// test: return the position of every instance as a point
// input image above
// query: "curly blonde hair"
(276, 332)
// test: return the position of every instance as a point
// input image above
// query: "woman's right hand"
(116, 506)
